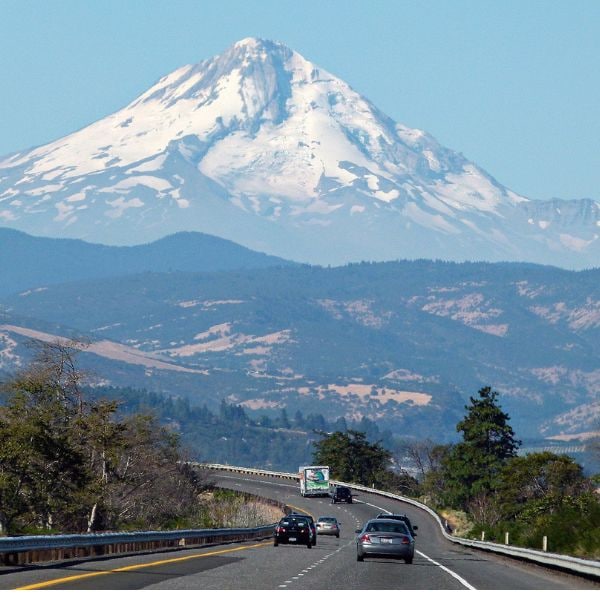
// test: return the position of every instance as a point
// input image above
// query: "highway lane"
(330, 565)
(448, 565)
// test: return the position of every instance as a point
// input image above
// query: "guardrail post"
(483, 536)
(506, 538)
(545, 543)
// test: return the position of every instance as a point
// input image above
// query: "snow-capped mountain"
(262, 147)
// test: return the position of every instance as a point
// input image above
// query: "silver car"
(385, 537)
(328, 526)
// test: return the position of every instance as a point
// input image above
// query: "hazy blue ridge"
(29, 261)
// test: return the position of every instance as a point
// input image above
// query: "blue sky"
(513, 85)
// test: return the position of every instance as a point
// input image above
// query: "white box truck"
(314, 480)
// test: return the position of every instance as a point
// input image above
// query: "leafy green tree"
(68, 464)
(539, 483)
(545, 494)
(430, 460)
(352, 458)
(471, 468)
(42, 466)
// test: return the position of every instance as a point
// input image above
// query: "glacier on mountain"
(260, 146)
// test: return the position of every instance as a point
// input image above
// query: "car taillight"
(279, 529)
(405, 540)
(365, 538)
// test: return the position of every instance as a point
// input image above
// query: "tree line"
(229, 434)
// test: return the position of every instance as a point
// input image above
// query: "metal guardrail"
(86, 540)
(560, 561)
(39, 548)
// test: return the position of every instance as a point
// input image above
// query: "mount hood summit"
(260, 146)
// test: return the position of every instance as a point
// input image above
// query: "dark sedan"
(385, 537)
(412, 528)
(293, 530)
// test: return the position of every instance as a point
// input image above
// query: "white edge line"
(455, 575)
(437, 564)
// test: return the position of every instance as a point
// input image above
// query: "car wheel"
(360, 558)
(275, 543)
(309, 545)
(337, 535)
(408, 560)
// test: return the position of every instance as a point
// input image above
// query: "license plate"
(386, 540)
(292, 539)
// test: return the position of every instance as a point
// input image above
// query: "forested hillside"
(401, 343)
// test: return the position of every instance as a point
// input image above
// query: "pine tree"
(471, 468)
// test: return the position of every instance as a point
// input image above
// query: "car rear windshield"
(299, 522)
(327, 520)
(387, 527)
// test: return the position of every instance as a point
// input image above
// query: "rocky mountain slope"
(260, 146)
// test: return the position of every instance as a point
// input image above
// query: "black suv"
(293, 530)
(403, 518)
(341, 494)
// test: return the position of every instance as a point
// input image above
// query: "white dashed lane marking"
(313, 566)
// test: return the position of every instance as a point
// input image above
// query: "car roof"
(394, 521)
(380, 520)
(395, 518)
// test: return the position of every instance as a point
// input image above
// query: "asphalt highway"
(329, 565)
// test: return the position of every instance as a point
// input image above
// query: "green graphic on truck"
(314, 480)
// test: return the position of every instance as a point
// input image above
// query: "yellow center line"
(50, 582)
(302, 510)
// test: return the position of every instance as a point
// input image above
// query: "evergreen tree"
(471, 467)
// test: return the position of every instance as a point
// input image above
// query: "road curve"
(330, 565)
